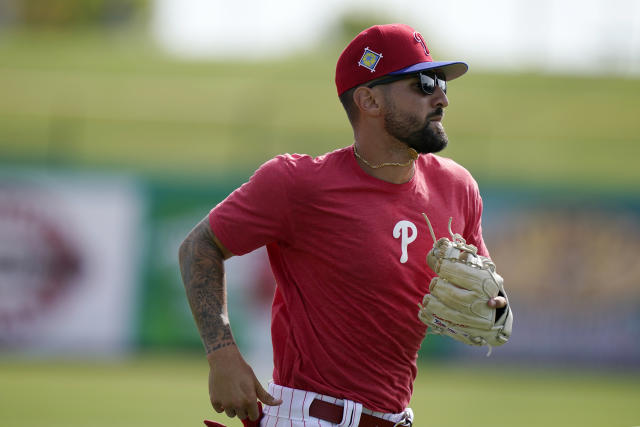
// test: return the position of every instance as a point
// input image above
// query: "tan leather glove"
(457, 302)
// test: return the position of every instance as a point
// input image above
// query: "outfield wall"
(70, 248)
(88, 266)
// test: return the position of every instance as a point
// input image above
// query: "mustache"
(437, 112)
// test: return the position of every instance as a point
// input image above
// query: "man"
(347, 246)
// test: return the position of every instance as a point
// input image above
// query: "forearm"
(202, 268)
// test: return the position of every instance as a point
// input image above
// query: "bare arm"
(202, 268)
(233, 386)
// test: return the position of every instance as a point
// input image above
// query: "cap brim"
(451, 70)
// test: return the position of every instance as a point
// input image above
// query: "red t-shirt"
(348, 252)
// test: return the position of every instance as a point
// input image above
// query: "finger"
(230, 412)
(241, 413)
(216, 405)
(265, 397)
(497, 302)
(253, 412)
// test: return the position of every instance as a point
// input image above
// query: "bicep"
(203, 231)
(226, 253)
(258, 212)
(202, 237)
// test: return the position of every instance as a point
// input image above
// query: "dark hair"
(349, 106)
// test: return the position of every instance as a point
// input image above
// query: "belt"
(333, 413)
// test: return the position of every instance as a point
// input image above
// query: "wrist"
(220, 354)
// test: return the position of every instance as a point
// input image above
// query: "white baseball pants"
(294, 411)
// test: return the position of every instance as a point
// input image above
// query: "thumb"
(265, 397)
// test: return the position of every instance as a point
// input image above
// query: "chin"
(430, 141)
(428, 147)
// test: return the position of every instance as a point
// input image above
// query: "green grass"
(112, 101)
(172, 391)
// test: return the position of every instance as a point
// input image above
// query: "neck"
(391, 163)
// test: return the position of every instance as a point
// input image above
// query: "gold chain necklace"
(412, 153)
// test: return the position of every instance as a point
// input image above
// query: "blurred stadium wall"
(111, 151)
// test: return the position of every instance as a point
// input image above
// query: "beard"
(421, 136)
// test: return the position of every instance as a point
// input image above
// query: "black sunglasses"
(428, 82)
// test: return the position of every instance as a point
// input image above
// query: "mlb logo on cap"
(369, 59)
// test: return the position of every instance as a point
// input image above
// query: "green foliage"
(65, 13)
(115, 102)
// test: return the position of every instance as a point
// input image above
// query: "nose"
(439, 98)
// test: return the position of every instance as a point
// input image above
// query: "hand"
(233, 386)
(497, 302)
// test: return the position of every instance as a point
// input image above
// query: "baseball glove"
(456, 304)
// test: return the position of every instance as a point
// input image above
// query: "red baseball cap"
(388, 49)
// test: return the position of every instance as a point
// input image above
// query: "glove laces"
(458, 241)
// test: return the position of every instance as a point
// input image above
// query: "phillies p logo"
(407, 232)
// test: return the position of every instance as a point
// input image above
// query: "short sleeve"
(473, 228)
(257, 213)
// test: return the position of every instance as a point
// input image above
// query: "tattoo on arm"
(202, 268)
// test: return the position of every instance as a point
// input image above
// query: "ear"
(367, 101)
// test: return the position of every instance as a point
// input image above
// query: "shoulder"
(302, 165)
(293, 175)
(280, 166)
(438, 167)
(445, 165)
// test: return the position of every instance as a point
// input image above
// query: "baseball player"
(347, 244)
